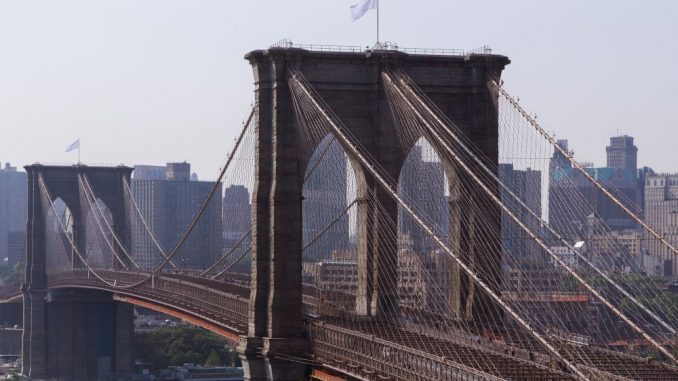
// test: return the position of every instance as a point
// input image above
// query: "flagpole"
(378, 22)
(78, 151)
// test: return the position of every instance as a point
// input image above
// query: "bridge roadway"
(384, 352)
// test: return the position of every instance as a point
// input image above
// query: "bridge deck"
(380, 352)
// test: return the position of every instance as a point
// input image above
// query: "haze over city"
(346, 190)
(157, 81)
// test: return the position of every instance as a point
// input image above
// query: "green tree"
(11, 274)
(213, 359)
(180, 345)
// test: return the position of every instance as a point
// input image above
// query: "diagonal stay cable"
(230, 265)
(48, 196)
(91, 199)
(329, 226)
(309, 173)
(193, 224)
(529, 232)
(202, 209)
(581, 169)
(299, 84)
(227, 254)
(143, 220)
(411, 88)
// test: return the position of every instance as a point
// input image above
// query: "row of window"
(661, 182)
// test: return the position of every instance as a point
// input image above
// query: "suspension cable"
(579, 167)
(226, 255)
(296, 79)
(91, 199)
(143, 220)
(407, 83)
(528, 231)
(74, 246)
(235, 262)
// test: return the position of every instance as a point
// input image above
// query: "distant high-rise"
(178, 171)
(642, 176)
(526, 185)
(622, 154)
(558, 160)
(13, 210)
(169, 206)
(149, 172)
(661, 212)
(422, 180)
(572, 197)
(237, 214)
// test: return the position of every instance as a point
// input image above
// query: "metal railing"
(285, 43)
(211, 303)
(74, 164)
(364, 355)
(10, 291)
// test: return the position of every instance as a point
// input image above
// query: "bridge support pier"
(78, 335)
(11, 314)
(351, 85)
(88, 336)
(34, 355)
(34, 349)
(261, 361)
(276, 330)
(377, 293)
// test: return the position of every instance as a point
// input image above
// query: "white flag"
(74, 145)
(358, 10)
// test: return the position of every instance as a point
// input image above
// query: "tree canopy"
(180, 345)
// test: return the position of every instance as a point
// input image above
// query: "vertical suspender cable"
(338, 130)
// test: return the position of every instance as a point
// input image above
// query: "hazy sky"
(145, 82)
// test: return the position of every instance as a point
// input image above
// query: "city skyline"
(69, 71)
(386, 213)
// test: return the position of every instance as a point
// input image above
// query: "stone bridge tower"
(351, 84)
(73, 334)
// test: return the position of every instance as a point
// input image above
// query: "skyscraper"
(237, 214)
(526, 185)
(149, 172)
(168, 207)
(13, 211)
(558, 160)
(178, 171)
(661, 212)
(622, 154)
(572, 197)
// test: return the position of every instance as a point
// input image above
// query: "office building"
(526, 186)
(149, 172)
(13, 211)
(169, 207)
(178, 171)
(661, 212)
(572, 197)
(622, 154)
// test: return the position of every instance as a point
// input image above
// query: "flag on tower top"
(358, 10)
(74, 145)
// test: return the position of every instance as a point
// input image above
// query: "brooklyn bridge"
(379, 311)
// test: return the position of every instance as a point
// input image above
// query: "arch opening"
(59, 233)
(99, 240)
(424, 270)
(330, 225)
